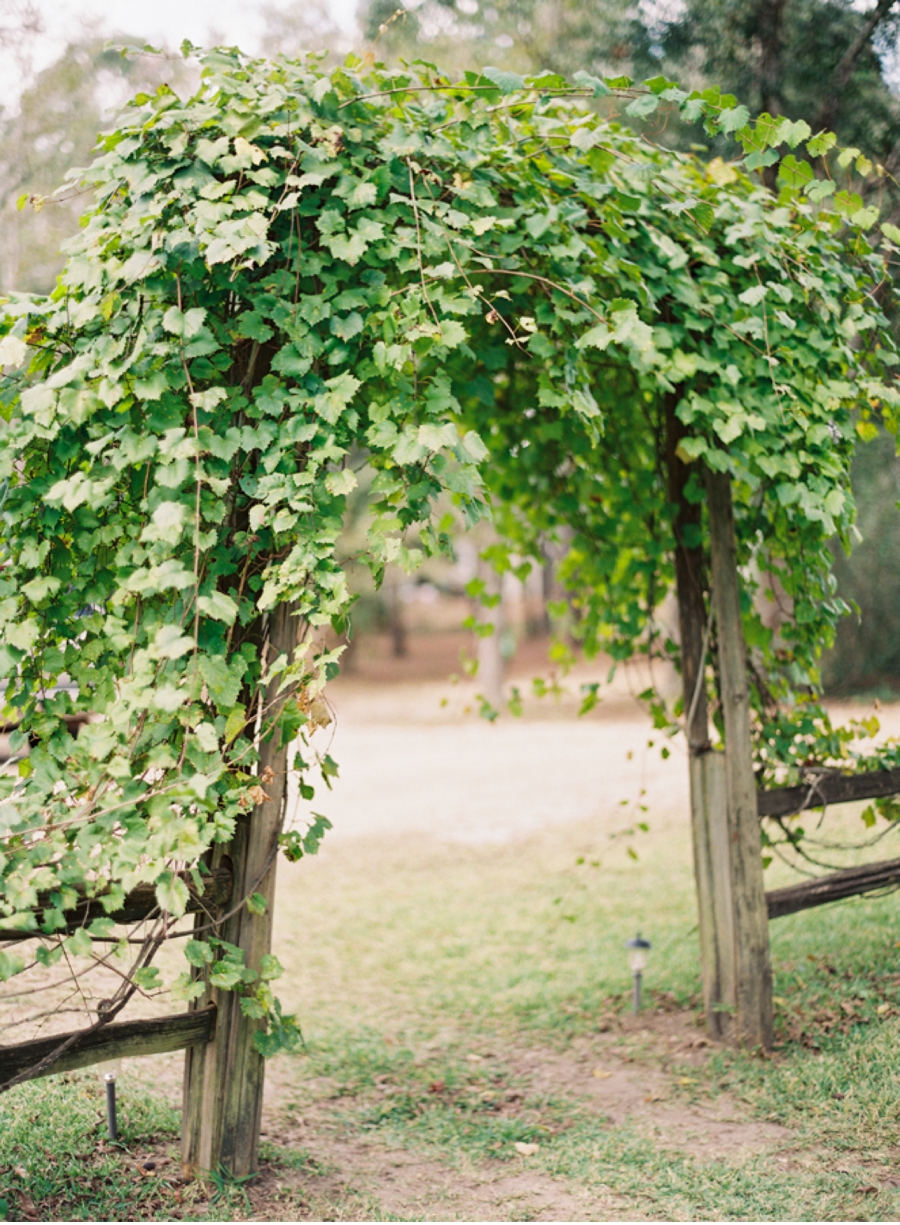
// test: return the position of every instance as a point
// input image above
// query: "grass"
(450, 950)
(55, 1159)
(422, 972)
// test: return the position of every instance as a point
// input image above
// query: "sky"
(173, 20)
(155, 21)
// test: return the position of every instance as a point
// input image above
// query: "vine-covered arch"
(295, 272)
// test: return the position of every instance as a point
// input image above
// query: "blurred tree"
(302, 27)
(866, 653)
(818, 60)
(53, 128)
(557, 35)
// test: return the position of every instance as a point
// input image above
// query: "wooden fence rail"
(850, 882)
(828, 789)
(138, 904)
(117, 1040)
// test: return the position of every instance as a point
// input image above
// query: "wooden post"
(752, 1003)
(223, 1081)
(715, 905)
(709, 834)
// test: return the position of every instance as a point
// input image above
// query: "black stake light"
(637, 959)
(112, 1121)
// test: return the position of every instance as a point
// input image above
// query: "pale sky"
(160, 21)
(174, 20)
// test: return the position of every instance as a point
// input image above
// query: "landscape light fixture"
(112, 1121)
(637, 959)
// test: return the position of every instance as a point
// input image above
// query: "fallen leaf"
(869, 1190)
(655, 1097)
(602, 1074)
(685, 1080)
(27, 1207)
(475, 1058)
(882, 1009)
(527, 1150)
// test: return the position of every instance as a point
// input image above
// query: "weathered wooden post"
(751, 1022)
(707, 768)
(223, 1080)
(713, 831)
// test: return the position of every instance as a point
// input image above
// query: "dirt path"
(358, 1175)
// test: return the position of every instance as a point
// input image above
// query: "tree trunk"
(491, 665)
(830, 108)
(752, 1017)
(223, 1081)
(396, 622)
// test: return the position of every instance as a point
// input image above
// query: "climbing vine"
(298, 272)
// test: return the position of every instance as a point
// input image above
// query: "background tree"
(51, 130)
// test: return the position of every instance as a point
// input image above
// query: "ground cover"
(464, 998)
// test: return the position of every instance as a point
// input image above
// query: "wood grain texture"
(828, 789)
(120, 1039)
(709, 818)
(712, 870)
(752, 1021)
(223, 1081)
(139, 903)
(850, 882)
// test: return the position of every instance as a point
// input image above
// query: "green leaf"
(792, 132)
(598, 87)
(235, 723)
(257, 904)
(198, 953)
(147, 978)
(79, 944)
(10, 965)
(865, 218)
(172, 894)
(340, 390)
(226, 975)
(270, 967)
(347, 326)
(754, 295)
(219, 606)
(186, 324)
(733, 118)
(642, 106)
(506, 82)
(222, 679)
(794, 173)
(821, 143)
(342, 482)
